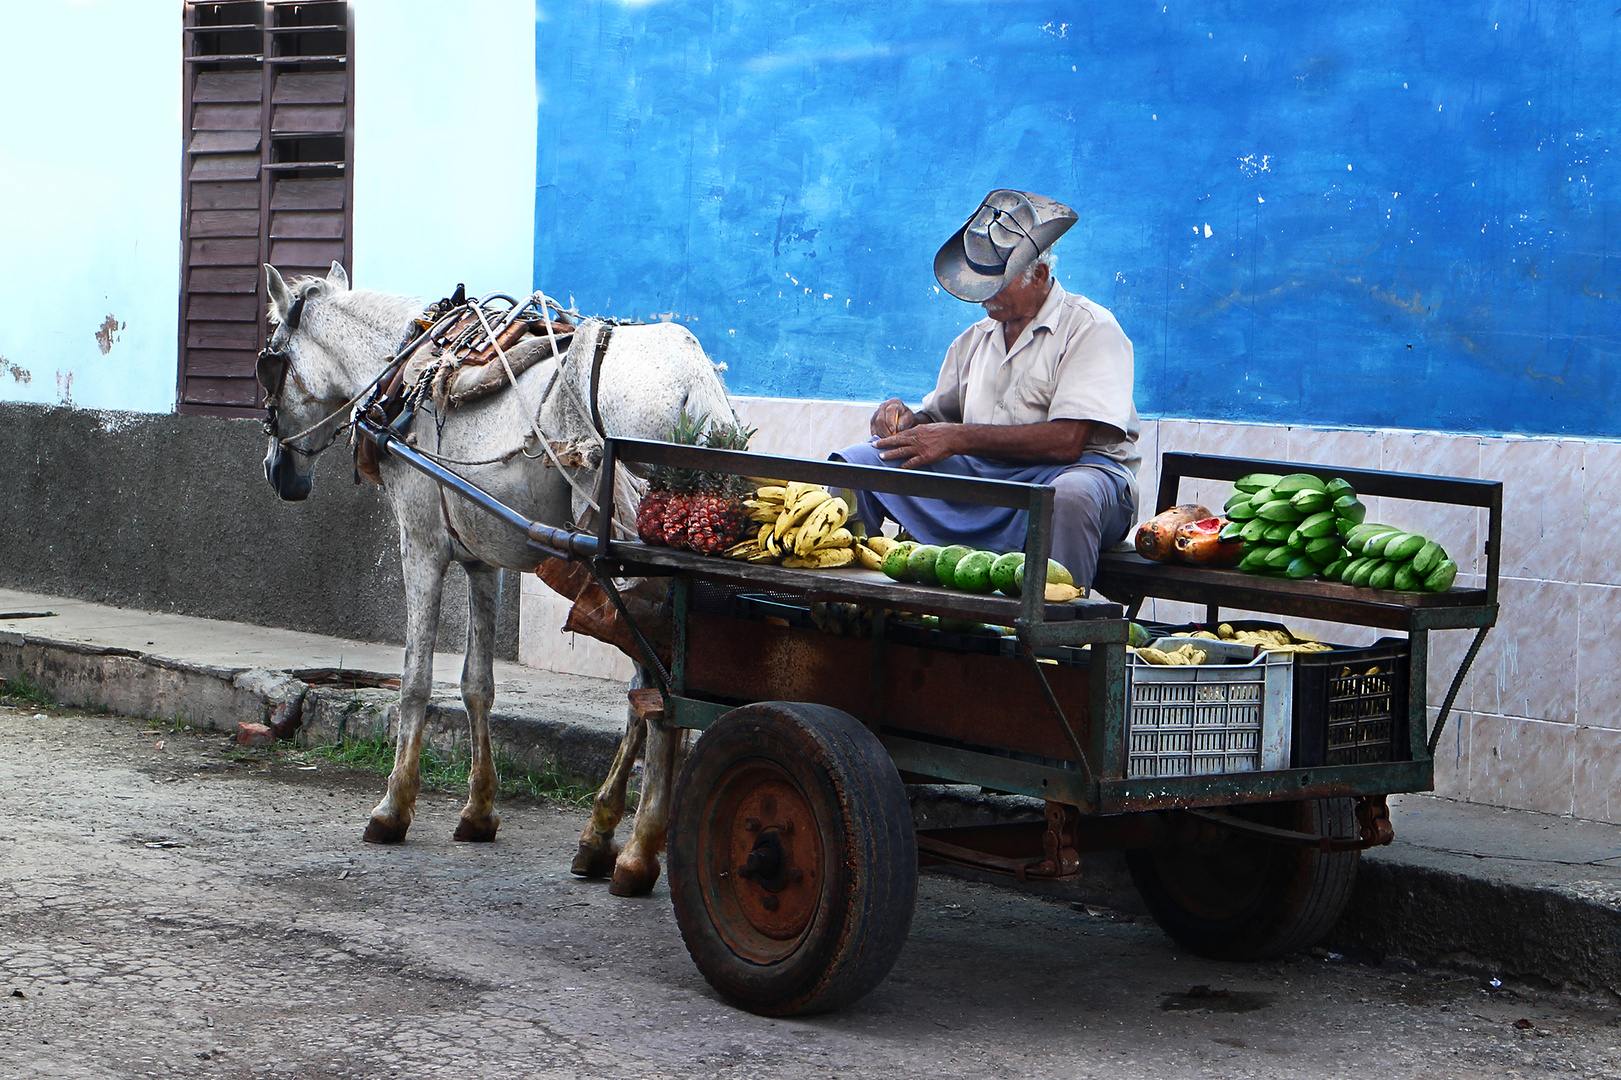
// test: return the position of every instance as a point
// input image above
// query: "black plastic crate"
(1351, 705)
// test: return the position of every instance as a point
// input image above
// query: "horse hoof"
(384, 831)
(477, 832)
(594, 862)
(634, 877)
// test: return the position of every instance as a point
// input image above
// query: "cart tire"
(793, 865)
(1239, 897)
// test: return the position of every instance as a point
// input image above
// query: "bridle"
(274, 354)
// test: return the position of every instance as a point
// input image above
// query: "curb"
(218, 698)
(1567, 936)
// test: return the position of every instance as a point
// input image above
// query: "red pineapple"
(650, 514)
(678, 486)
(716, 520)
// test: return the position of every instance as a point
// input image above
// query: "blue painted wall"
(1383, 214)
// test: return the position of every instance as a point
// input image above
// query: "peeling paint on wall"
(64, 388)
(17, 372)
(106, 336)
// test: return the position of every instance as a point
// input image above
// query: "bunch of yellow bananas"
(1279, 641)
(801, 525)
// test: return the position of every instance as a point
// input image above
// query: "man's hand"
(920, 444)
(892, 417)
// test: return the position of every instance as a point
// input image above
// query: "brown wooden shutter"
(268, 177)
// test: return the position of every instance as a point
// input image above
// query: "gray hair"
(1048, 258)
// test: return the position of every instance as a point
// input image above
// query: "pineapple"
(717, 519)
(650, 514)
(662, 516)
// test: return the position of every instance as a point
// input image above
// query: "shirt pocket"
(1032, 395)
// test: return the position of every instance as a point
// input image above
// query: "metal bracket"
(1373, 818)
(1058, 710)
(1457, 684)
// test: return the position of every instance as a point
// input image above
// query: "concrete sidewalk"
(1499, 892)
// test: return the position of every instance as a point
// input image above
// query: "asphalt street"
(172, 907)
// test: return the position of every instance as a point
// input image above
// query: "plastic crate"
(1351, 705)
(1208, 718)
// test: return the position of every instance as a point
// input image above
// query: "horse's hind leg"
(637, 867)
(424, 578)
(597, 849)
(479, 820)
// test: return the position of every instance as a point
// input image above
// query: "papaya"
(1201, 543)
(1156, 538)
(1004, 573)
(946, 562)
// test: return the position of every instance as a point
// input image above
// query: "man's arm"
(1051, 442)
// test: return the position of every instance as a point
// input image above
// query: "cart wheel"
(793, 865)
(1238, 897)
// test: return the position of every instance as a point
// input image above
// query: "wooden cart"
(792, 855)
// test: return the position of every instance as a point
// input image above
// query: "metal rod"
(555, 541)
(1457, 684)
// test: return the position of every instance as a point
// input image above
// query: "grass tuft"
(20, 691)
(374, 753)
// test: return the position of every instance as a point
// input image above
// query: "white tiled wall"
(1538, 723)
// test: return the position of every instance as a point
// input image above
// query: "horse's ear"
(336, 277)
(281, 297)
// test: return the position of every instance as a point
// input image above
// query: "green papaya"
(1298, 482)
(1256, 481)
(1441, 578)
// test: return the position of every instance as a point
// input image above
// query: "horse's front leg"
(424, 580)
(479, 820)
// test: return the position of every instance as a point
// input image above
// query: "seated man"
(1040, 391)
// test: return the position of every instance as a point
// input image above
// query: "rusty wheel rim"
(761, 851)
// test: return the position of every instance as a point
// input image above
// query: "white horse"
(330, 342)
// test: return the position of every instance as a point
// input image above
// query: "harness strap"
(596, 376)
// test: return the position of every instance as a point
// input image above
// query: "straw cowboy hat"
(1003, 237)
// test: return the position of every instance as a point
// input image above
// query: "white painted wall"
(444, 145)
(90, 178)
(90, 201)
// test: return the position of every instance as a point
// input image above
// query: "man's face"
(1019, 299)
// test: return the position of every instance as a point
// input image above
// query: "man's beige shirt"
(1073, 362)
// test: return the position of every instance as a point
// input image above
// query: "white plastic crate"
(1208, 718)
